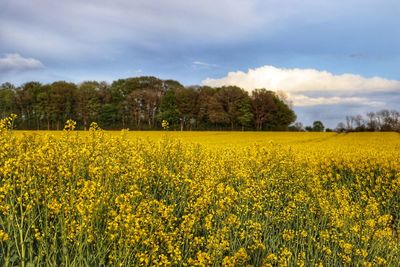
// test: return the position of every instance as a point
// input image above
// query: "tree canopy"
(142, 103)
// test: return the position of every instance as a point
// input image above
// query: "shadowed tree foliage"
(187, 107)
(231, 99)
(64, 102)
(7, 99)
(216, 112)
(169, 108)
(88, 102)
(142, 103)
(282, 116)
(205, 98)
(44, 107)
(263, 106)
(246, 116)
(318, 126)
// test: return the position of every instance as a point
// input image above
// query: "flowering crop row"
(95, 199)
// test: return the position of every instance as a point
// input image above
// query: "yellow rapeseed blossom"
(198, 198)
(3, 236)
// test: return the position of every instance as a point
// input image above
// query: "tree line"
(142, 103)
(381, 121)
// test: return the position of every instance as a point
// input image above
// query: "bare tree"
(372, 125)
(341, 127)
(349, 123)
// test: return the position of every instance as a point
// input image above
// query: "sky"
(331, 58)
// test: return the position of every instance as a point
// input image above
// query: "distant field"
(221, 139)
(134, 198)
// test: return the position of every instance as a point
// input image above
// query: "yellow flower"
(3, 235)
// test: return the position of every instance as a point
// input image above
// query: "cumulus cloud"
(303, 80)
(307, 101)
(16, 62)
(302, 84)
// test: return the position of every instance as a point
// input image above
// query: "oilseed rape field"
(99, 198)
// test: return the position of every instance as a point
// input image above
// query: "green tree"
(26, 97)
(139, 102)
(231, 99)
(263, 106)
(187, 105)
(204, 106)
(88, 102)
(318, 126)
(282, 117)
(138, 99)
(169, 109)
(216, 112)
(63, 102)
(108, 116)
(7, 99)
(246, 116)
(46, 106)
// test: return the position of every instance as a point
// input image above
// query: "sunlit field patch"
(198, 198)
(221, 139)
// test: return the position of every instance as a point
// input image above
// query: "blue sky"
(332, 58)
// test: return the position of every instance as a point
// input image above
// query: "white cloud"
(201, 64)
(15, 62)
(306, 101)
(300, 83)
(303, 80)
